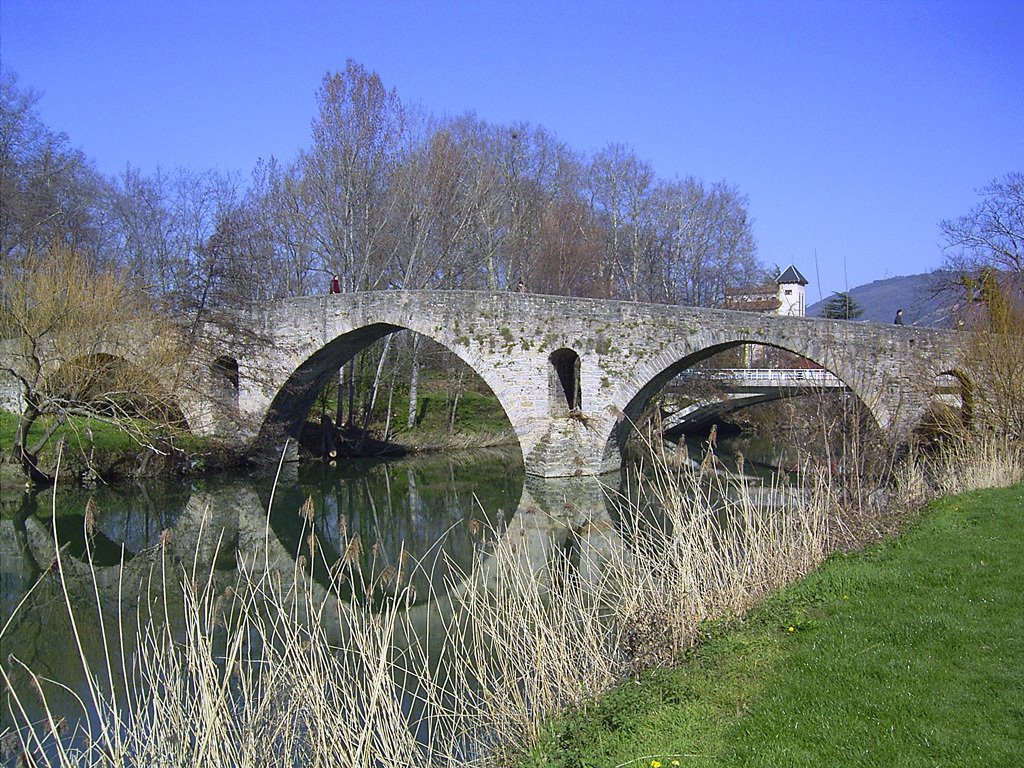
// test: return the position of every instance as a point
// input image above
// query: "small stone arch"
(564, 393)
(955, 389)
(102, 368)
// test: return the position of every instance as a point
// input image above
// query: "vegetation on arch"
(985, 253)
(991, 330)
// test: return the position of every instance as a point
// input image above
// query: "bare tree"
(706, 239)
(81, 342)
(536, 171)
(620, 191)
(991, 234)
(49, 192)
(357, 136)
(162, 225)
(293, 267)
(572, 246)
(483, 196)
(992, 350)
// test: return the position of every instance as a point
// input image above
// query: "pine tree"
(841, 307)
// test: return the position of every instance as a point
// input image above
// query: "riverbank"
(94, 450)
(906, 654)
(98, 451)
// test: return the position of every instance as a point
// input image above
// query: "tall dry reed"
(688, 546)
(274, 669)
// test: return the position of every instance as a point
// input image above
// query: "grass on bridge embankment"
(909, 654)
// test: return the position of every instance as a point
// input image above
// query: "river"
(431, 510)
(434, 511)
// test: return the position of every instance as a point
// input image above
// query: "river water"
(428, 509)
(115, 541)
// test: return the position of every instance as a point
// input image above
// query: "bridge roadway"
(573, 375)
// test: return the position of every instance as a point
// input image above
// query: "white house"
(792, 294)
(785, 295)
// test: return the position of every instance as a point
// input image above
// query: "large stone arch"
(295, 396)
(871, 387)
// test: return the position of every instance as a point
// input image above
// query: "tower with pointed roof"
(792, 298)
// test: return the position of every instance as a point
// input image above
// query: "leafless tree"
(358, 134)
(707, 242)
(991, 234)
(49, 192)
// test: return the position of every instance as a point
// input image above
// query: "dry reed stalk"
(975, 462)
(272, 668)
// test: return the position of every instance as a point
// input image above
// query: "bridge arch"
(295, 397)
(652, 375)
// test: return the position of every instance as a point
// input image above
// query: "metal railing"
(770, 377)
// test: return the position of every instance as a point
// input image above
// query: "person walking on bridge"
(335, 285)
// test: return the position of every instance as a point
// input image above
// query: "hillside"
(919, 296)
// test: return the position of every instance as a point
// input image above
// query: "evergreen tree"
(841, 307)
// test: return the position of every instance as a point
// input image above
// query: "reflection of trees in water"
(419, 510)
(168, 534)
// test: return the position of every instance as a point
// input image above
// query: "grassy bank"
(557, 609)
(479, 420)
(97, 447)
(908, 654)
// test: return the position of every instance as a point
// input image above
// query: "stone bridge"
(573, 375)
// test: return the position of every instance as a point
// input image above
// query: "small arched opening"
(224, 376)
(951, 408)
(564, 382)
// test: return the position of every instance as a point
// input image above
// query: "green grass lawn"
(476, 412)
(910, 654)
(87, 436)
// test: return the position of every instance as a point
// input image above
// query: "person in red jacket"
(335, 285)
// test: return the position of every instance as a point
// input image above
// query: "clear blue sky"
(853, 127)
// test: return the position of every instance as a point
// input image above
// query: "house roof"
(764, 305)
(768, 289)
(791, 275)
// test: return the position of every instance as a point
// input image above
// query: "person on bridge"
(899, 317)
(335, 285)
